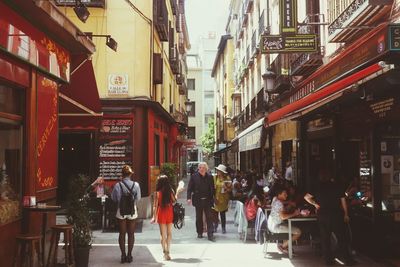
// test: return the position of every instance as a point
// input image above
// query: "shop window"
(11, 143)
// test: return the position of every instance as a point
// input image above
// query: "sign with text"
(118, 84)
(20, 38)
(394, 37)
(251, 140)
(47, 132)
(288, 15)
(354, 56)
(115, 146)
(305, 43)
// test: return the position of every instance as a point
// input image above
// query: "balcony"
(248, 6)
(160, 18)
(245, 20)
(262, 24)
(249, 58)
(174, 59)
(87, 3)
(180, 116)
(253, 111)
(254, 44)
(183, 88)
(281, 68)
(303, 64)
(174, 7)
(360, 13)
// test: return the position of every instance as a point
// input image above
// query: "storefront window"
(10, 170)
(11, 136)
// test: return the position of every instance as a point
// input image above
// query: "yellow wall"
(134, 53)
(283, 131)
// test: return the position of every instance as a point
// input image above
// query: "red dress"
(165, 215)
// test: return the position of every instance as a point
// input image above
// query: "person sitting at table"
(295, 198)
(277, 217)
(252, 205)
(99, 187)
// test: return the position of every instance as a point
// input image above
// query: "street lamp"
(269, 80)
(188, 105)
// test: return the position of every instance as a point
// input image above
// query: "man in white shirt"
(289, 172)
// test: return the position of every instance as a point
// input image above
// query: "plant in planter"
(171, 170)
(78, 215)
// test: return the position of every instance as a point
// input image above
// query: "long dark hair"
(165, 188)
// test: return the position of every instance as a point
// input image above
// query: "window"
(192, 112)
(191, 84)
(156, 150)
(191, 132)
(11, 148)
(165, 150)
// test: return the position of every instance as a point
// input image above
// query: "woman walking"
(223, 186)
(163, 212)
(126, 193)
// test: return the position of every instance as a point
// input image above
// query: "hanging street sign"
(304, 43)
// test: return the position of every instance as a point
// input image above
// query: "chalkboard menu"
(365, 173)
(115, 146)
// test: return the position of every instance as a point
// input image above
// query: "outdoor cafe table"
(44, 209)
(311, 218)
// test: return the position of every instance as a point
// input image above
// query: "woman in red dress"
(163, 212)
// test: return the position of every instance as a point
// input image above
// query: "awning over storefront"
(326, 94)
(250, 138)
(80, 106)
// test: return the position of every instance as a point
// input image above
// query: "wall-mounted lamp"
(81, 11)
(269, 80)
(188, 105)
(110, 42)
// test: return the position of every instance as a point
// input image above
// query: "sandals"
(129, 258)
(123, 259)
(167, 257)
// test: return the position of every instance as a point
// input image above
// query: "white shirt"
(274, 219)
(289, 173)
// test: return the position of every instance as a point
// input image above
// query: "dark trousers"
(222, 215)
(204, 206)
(333, 223)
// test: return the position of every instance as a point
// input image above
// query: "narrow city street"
(188, 250)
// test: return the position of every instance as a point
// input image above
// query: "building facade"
(201, 95)
(142, 85)
(327, 106)
(40, 55)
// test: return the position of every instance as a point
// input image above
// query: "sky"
(203, 16)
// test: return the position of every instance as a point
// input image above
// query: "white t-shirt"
(274, 219)
(289, 173)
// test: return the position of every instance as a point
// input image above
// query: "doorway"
(75, 157)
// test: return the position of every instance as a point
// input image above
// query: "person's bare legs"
(295, 237)
(163, 237)
(131, 237)
(121, 238)
(169, 238)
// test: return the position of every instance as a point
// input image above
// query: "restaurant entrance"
(74, 158)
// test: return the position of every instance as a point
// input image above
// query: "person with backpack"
(126, 193)
(163, 212)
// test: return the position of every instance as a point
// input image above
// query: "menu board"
(365, 174)
(115, 146)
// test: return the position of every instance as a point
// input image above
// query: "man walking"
(200, 193)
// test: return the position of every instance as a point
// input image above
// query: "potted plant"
(171, 170)
(78, 215)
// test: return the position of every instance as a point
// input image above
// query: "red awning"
(289, 111)
(80, 106)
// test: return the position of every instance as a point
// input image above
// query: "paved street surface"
(187, 250)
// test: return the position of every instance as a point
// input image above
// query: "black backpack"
(127, 201)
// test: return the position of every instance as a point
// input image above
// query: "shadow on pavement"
(110, 256)
(188, 260)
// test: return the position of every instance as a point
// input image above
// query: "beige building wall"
(133, 59)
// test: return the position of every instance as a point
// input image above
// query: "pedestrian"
(289, 173)
(331, 208)
(163, 213)
(126, 193)
(200, 193)
(223, 187)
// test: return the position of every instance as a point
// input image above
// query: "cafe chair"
(66, 230)
(272, 237)
(25, 252)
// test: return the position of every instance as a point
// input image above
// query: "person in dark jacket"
(331, 208)
(200, 193)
